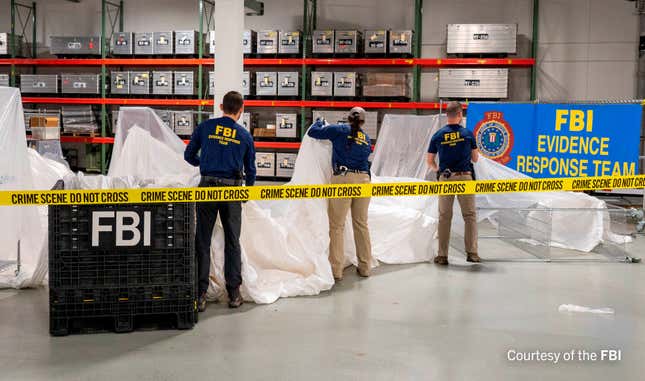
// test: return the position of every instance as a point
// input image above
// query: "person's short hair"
(232, 102)
(453, 109)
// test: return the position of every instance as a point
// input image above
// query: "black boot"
(234, 298)
(201, 303)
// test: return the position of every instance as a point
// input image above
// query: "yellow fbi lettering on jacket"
(452, 138)
(224, 135)
(360, 138)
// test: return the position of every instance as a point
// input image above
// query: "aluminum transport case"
(143, 44)
(401, 42)
(265, 163)
(290, 42)
(247, 83)
(186, 42)
(286, 125)
(348, 42)
(4, 80)
(322, 84)
(385, 85)
(5, 47)
(266, 83)
(346, 84)
(285, 164)
(375, 42)
(184, 83)
(288, 83)
(120, 82)
(323, 42)
(163, 43)
(183, 123)
(473, 83)
(249, 38)
(39, 83)
(140, 82)
(211, 83)
(162, 83)
(211, 42)
(267, 42)
(75, 46)
(80, 84)
(482, 38)
(122, 44)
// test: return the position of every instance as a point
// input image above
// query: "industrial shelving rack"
(417, 64)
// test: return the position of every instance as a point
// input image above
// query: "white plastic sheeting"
(402, 149)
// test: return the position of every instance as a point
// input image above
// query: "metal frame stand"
(16, 13)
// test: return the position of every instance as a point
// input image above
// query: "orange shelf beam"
(109, 140)
(475, 62)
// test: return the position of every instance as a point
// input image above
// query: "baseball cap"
(358, 110)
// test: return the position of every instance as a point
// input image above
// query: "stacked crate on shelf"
(112, 265)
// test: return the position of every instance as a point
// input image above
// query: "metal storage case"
(140, 82)
(322, 84)
(346, 84)
(162, 83)
(120, 82)
(285, 164)
(184, 83)
(5, 45)
(482, 38)
(288, 83)
(247, 83)
(248, 41)
(473, 83)
(39, 83)
(348, 42)
(290, 42)
(4, 79)
(265, 163)
(80, 84)
(401, 42)
(211, 83)
(211, 42)
(385, 85)
(376, 42)
(340, 117)
(267, 42)
(183, 123)
(122, 44)
(79, 119)
(286, 125)
(163, 43)
(186, 42)
(143, 44)
(323, 42)
(75, 46)
(266, 83)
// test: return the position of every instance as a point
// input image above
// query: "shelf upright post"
(12, 42)
(103, 84)
(34, 49)
(121, 26)
(203, 12)
(418, 31)
(534, 47)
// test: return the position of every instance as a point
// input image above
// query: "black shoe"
(473, 257)
(201, 303)
(441, 260)
(234, 298)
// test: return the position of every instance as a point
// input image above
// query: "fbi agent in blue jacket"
(351, 150)
(457, 150)
(227, 156)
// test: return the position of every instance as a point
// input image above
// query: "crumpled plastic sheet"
(284, 243)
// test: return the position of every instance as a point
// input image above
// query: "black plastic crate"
(113, 265)
(119, 310)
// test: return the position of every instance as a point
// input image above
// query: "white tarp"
(284, 243)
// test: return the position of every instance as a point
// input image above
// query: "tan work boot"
(441, 260)
(362, 273)
(473, 257)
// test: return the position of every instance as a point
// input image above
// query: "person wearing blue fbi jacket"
(227, 157)
(351, 150)
(457, 150)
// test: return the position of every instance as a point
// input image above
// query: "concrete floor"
(406, 322)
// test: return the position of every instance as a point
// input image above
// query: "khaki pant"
(469, 213)
(337, 211)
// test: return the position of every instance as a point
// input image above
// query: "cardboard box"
(264, 132)
(44, 121)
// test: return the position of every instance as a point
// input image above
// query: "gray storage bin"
(75, 46)
(184, 123)
(288, 84)
(323, 42)
(285, 164)
(143, 44)
(140, 82)
(122, 44)
(39, 83)
(322, 84)
(375, 41)
(267, 42)
(346, 84)
(348, 42)
(120, 82)
(286, 125)
(266, 83)
(162, 83)
(186, 42)
(163, 43)
(482, 38)
(80, 84)
(473, 83)
(290, 42)
(265, 163)
(401, 42)
(249, 38)
(184, 83)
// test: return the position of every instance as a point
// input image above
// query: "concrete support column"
(229, 59)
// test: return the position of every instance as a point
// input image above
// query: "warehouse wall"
(588, 48)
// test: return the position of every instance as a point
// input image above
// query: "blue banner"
(559, 140)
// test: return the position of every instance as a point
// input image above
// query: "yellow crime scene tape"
(299, 192)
